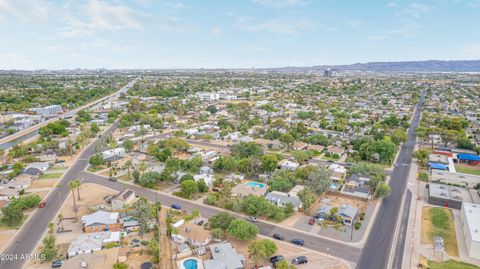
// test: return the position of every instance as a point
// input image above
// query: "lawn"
(450, 264)
(473, 170)
(51, 176)
(438, 221)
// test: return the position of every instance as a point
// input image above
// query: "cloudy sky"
(235, 33)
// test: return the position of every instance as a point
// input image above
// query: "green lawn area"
(450, 264)
(437, 221)
(94, 169)
(50, 176)
(468, 170)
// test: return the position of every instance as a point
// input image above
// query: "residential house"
(7, 194)
(337, 172)
(114, 154)
(281, 199)
(101, 221)
(348, 214)
(224, 256)
(288, 165)
(357, 185)
(335, 150)
(36, 168)
(89, 243)
(123, 200)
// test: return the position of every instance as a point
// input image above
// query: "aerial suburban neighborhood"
(255, 134)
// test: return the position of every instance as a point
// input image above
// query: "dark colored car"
(41, 205)
(57, 263)
(300, 260)
(275, 259)
(279, 237)
(112, 179)
(298, 242)
(176, 206)
(311, 221)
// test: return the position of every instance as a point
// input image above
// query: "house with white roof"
(89, 243)
(224, 256)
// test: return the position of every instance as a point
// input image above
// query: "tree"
(242, 230)
(382, 190)
(399, 136)
(246, 149)
(12, 215)
(318, 139)
(120, 265)
(218, 233)
(128, 145)
(269, 162)
(96, 160)
(308, 197)
(260, 250)
(51, 226)
(284, 265)
(143, 212)
(94, 128)
(49, 251)
(301, 156)
(212, 109)
(128, 165)
(287, 139)
(188, 187)
(83, 116)
(149, 179)
(72, 185)
(202, 186)
(77, 184)
(319, 181)
(142, 167)
(221, 221)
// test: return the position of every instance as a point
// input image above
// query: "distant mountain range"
(407, 66)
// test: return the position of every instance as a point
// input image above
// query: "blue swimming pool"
(333, 186)
(190, 264)
(256, 184)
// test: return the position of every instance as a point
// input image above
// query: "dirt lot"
(339, 201)
(316, 260)
(43, 183)
(90, 194)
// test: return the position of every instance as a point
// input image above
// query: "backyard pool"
(333, 186)
(190, 264)
(256, 184)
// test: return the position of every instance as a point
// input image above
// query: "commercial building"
(471, 228)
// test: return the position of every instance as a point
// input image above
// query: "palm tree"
(60, 219)
(72, 185)
(70, 147)
(78, 183)
(142, 167)
(128, 164)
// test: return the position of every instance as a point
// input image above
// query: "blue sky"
(228, 34)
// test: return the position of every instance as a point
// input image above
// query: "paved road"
(402, 234)
(330, 247)
(11, 140)
(376, 252)
(31, 232)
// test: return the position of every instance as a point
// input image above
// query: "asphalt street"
(376, 252)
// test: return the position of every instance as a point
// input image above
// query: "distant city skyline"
(143, 34)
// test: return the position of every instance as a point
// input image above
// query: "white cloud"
(281, 3)
(26, 10)
(415, 10)
(352, 23)
(111, 17)
(258, 48)
(276, 26)
(409, 29)
(470, 52)
(13, 60)
(216, 31)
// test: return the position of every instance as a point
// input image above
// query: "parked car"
(300, 260)
(298, 242)
(176, 206)
(279, 237)
(57, 263)
(251, 219)
(114, 179)
(41, 205)
(275, 259)
(311, 221)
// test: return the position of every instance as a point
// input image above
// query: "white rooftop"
(472, 217)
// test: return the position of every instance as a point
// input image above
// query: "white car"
(251, 219)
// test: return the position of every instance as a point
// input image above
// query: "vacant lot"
(450, 264)
(438, 221)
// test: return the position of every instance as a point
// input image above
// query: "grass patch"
(467, 170)
(450, 264)
(58, 168)
(94, 169)
(50, 176)
(437, 221)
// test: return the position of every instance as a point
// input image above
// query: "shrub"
(358, 225)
